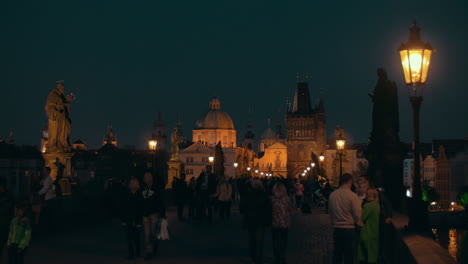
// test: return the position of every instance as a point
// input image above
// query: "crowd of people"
(266, 204)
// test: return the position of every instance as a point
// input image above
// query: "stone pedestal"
(175, 168)
(64, 160)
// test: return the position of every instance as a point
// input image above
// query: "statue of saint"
(175, 140)
(58, 113)
(339, 132)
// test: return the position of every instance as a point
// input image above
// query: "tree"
(463, 198)
(429, 194)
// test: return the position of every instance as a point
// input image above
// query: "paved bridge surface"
(310, 241)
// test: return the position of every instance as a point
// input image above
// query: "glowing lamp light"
(256, 171)
(261, 173)
(452, 203)
(211, 159)
(340, 143)
(408, 193)
(308, 168)
(415, 58)
(236, 164)
(433, 203)
(312, 164)
(322, 158)
(152, 144)
(248, 169)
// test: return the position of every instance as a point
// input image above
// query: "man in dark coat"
(180, 195)
(257, 211)
(132, 217)
(206, 186)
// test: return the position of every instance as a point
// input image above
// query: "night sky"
(125, 60)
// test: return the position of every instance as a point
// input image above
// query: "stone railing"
(408, 248)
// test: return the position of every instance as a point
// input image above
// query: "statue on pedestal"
(58, 113)
(175, 140)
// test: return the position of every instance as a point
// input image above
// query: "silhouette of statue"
(385, 152)
(59, 123)
(175, 140)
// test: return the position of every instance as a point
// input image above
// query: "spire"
(215, 104)
(11, 138)
(279, 131)
(249, 134)
(321, 106)
(302, 99)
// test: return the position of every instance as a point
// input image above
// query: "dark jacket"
(132, 208)
(152, 200)
(256, 208)
(211, 183)
(180, 189)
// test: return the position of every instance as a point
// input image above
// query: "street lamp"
(211, 159)
(308, 168)
(322, 158)
(312, 164)
(340, 146)
(152, 144)
(415, 58)
(236, 164)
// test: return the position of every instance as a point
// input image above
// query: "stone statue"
(175, 140)
(58, 113)
(277, 160)
(339, 132)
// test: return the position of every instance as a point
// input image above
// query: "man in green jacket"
(19, 237)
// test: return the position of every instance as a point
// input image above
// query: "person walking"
(206, 186)
(19, 235)
(345, 212)
(281, 221)
(47, 194)
(192, 198)
(180, 196)
(6, 214)
(132, 218)
(257, 212)
(368, 247)
(224, 196)
(299, 194)
(152, 206)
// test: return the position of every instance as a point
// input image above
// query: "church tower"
(159, 132)
(305, 130)
(110, 138)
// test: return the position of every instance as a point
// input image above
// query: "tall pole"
(416, 102)
(341, 164)
(418, 215)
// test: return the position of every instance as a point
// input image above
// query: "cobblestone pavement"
(310, 241)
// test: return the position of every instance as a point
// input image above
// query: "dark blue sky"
(126, 59)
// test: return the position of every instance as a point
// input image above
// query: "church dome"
(268, 134)
(215, 118)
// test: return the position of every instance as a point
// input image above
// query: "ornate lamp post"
(152, 144)
(235, 169)
(415, 59)
(340, 146)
